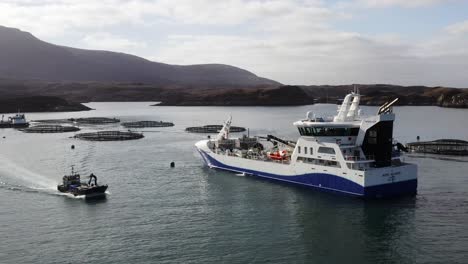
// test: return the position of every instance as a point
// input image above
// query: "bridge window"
(311, 151)
(328, 131)
(326, 150)
(305, 150)
(299, 149)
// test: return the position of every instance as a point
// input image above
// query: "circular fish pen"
(440, 146)
(213, 129)
(142, 124)
(81, 120)
(109, 136)
(95, 120)
(52, 121)
(50, 129)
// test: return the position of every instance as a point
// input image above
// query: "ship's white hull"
(377, 182)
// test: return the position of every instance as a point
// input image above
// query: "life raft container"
(278, 155)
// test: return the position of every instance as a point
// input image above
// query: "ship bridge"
(344, 127)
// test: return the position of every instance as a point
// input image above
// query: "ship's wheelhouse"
(328, 131)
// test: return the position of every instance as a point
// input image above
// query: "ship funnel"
(349, 109)
(354, 108)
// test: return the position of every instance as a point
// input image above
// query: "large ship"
(346, 154)
(16, 121)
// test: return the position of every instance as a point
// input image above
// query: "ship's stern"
(391, 181)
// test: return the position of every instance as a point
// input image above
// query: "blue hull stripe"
(325, 182)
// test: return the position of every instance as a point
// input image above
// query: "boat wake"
(39, 190)
(15, 176)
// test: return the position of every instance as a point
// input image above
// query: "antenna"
(356, 88)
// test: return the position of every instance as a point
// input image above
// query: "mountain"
(23, 56)
(64, 77)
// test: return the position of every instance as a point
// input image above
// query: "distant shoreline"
(39, 104)
(41, 96)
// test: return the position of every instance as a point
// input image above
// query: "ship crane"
(387, 107)
(277, 140)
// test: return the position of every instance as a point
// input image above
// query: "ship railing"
(369, 158)
(252, 156)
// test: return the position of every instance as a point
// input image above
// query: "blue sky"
(408, 42)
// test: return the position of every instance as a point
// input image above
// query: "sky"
(308, 42)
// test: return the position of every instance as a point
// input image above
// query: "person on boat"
(91, 177)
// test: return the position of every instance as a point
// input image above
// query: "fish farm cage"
(109, 136)
(95, 120)
(142, 124)
(213, 129)
(440, 146)
(52, 121)
(50, 129)
(83, 120)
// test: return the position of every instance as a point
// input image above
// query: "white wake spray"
(9, 169)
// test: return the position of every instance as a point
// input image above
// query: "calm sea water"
(191, 214)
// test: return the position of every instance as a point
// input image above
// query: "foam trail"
(12, 170)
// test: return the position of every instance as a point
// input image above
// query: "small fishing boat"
(72, 184)
(16, 121)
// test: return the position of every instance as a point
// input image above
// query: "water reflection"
(96, 199)
(338, 229)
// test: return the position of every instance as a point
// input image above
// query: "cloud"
(55, 17)
(458, 28)
(294, 41)
(48, 18)
(327, 56)
(398, 3)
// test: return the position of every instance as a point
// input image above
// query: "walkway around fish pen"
(95, 120)
(142, 124)
(81, 120)
(109, 136)
(50, 129)
(440, 146)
